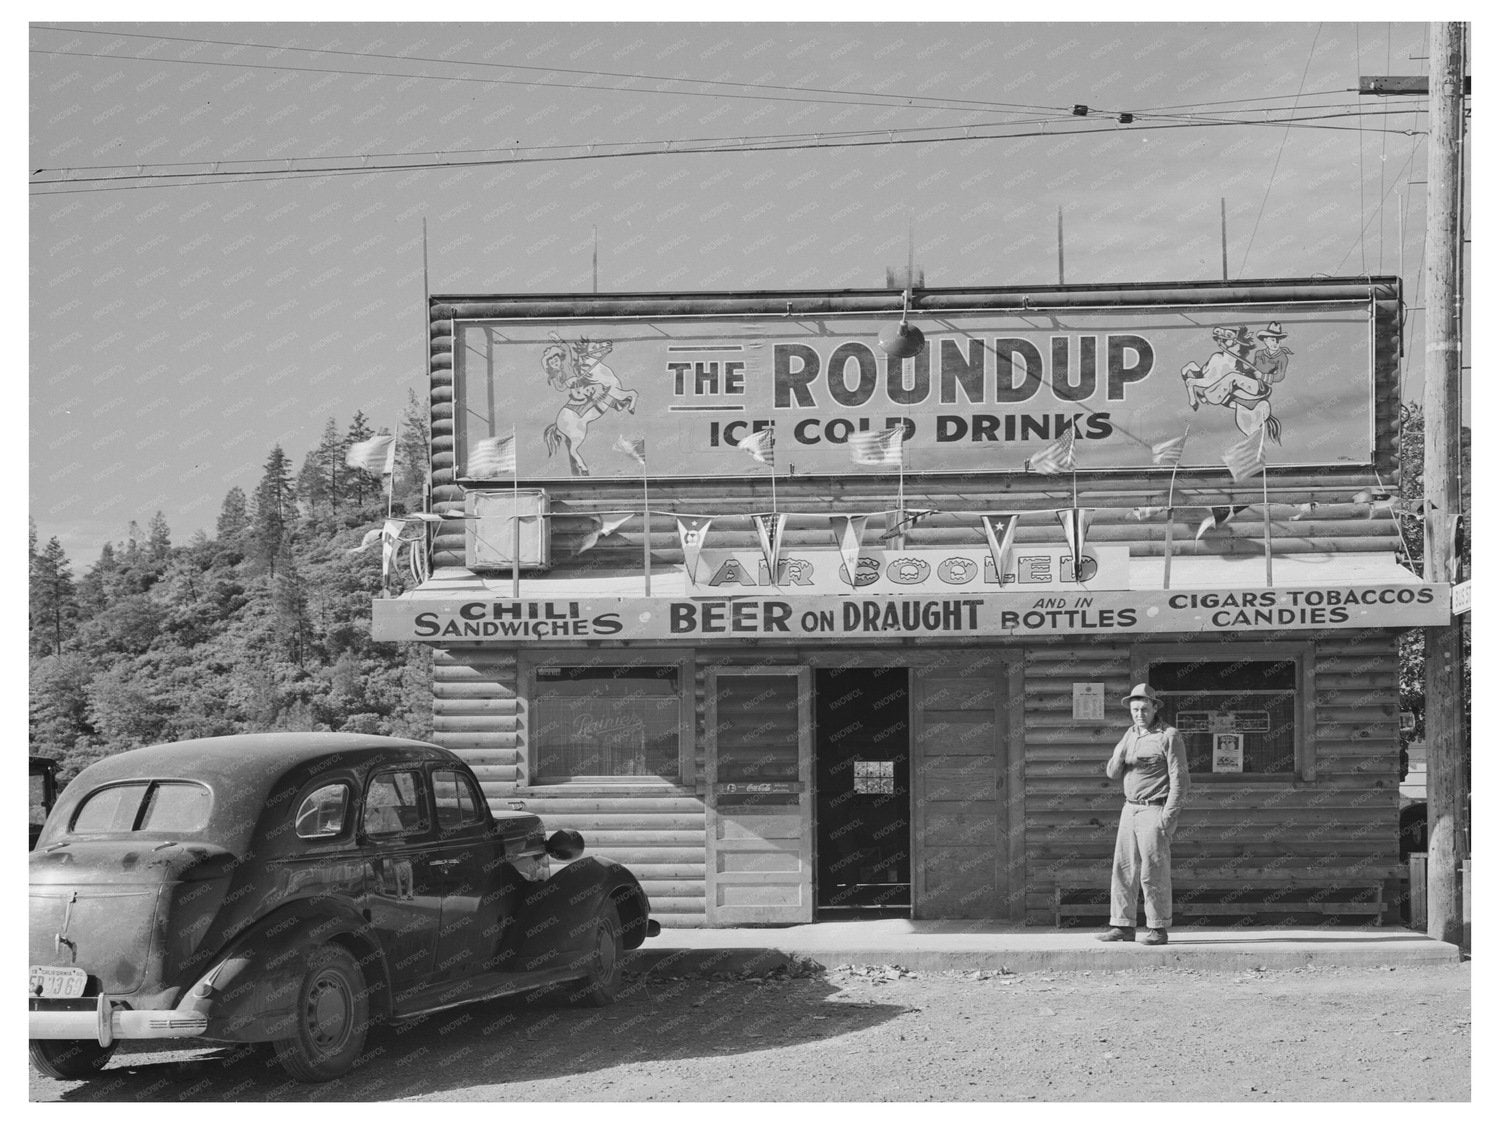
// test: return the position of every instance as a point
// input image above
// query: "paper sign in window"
(875, 777)
(1229, 753)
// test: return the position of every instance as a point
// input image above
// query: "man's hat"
(1143, 691)
(1271, 331)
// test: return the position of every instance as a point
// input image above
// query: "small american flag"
(1246, 458)
(377, 455)
(491, 457)
(761, 445)
(1168, 452)
(878, 448)
(632, 447)
(1056, 457)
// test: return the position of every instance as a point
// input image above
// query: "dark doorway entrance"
(862, 754)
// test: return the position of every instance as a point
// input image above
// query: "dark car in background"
(291, 889)
(43, 794)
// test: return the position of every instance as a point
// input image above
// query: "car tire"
(601, 986)
(332, 1018)
(69, 1060)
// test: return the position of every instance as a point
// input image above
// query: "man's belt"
(1161, 800)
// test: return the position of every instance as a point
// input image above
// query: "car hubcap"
(604, 953)
(328, 1013)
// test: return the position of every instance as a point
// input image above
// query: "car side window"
(324, 813)
(144, 806)
(457, 802)
(109, 809)
(396, 804)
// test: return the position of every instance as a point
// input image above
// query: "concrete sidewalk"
(976, 945)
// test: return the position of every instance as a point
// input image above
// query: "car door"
(404, 900)
(467, 861)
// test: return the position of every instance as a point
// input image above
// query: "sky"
(261, 269)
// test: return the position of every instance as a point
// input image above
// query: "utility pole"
(1447, 764)
(1059, 247)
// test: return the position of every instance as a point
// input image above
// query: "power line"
(905, 102)
(274, 175)
(1279, 149)
(730, 144)
(896, 101)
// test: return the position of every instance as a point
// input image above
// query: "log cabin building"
(834, 685)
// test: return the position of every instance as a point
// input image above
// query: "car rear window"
(176, 806)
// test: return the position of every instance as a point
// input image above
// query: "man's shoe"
(1116, 933)
(1155, 936)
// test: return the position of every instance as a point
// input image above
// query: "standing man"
(1152, 759)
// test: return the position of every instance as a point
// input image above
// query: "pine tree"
(54, 599)
(357, 481)
(323, 472)
(275, 512)
(159, 539)
(412, 453)
(234, 518)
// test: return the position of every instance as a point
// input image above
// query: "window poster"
(1229, 753)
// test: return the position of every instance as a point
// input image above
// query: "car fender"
(555, 920)
(249, 994)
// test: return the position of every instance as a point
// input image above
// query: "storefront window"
(1237, 717)
(605, 721)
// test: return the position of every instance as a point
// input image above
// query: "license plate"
(57, 983)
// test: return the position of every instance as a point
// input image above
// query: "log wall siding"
(1345, 819)
(656, 830)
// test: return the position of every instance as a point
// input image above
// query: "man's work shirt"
(1154, 765)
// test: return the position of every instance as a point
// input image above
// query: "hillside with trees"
(263, 625)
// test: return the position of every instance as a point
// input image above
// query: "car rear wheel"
(333, 1017)
(69, 1060)
(601, 986)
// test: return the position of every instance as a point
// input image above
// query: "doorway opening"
(862, 754)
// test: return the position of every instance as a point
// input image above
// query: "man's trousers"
(1143, 863)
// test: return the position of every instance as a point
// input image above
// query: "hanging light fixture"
(903, 340)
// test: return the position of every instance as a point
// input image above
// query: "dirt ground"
(884, 1034)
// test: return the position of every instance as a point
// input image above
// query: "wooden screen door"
(760, 796)
(959, 777)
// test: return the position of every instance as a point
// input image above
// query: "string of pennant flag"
(495, 456)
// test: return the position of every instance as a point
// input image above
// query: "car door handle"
(446, 862)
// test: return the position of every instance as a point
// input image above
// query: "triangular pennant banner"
(905, 521)
(1000, 530)
(390, 542)
(1217, 517)
(601, 528)
(1075, 524)
(691, 532)
(768, 528)
(848, 531)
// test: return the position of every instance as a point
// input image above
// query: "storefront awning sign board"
(447, 615)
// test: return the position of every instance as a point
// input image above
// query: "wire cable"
(272, 175)
(1280, 148)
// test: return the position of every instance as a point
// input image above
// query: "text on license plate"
(57, 983)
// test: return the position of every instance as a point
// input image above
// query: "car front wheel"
(601, 986)
(69, 1060)
(333, 1016)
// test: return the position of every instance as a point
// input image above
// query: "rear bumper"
(107, 1023)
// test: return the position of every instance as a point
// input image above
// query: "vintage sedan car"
(291, 888)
